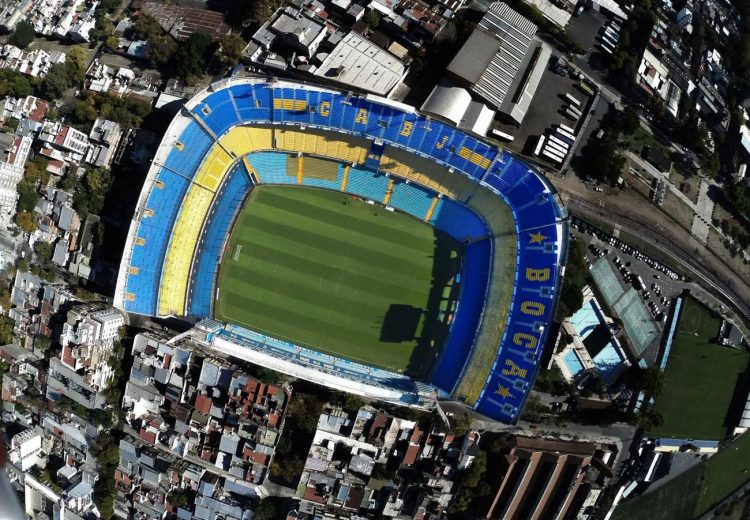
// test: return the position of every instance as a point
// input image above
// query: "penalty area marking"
(237, 251)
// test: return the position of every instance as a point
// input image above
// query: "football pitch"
(328, 271)
(700, 379)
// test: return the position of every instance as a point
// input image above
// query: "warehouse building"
(502, 62)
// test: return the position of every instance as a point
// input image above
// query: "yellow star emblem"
(537, 238)
(503, 391)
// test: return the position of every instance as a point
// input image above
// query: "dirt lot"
(678, 210)
(693, 181)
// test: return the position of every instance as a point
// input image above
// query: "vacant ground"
(326, 270)
(700, 379)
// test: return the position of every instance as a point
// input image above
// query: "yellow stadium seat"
(185, 235)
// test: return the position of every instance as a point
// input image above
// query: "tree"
(192, 57)
(160, 50)
(26, 221)
(265, 510)
(91, 193)
(571, 296)
(231, 49)
(27, 195)
(84, 112)
(372, 18)
(147, 28)
(55, 82)
(75, 64)
(23, 35)
(43, 250)
(630, 120)
(112, 42)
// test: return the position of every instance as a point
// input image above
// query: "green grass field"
(700, 379)
(695, 491)
(325, 270)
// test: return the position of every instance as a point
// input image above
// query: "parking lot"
(659, 285)
(547, 108)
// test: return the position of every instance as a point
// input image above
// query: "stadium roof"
(358, 62)
(502, 61)
(455, 105)
(447, 102)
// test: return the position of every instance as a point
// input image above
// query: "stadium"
(350, 241)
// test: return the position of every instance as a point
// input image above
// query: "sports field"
(328, 271)
(700, 379)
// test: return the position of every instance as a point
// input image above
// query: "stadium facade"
(239, 133)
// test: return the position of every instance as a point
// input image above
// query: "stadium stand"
(252, 122)
(411, 199)
(188, 151)
(228, 202)
(458, 221)
(474, 274)
(364, 184)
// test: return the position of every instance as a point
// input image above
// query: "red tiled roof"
(202, 404)
(67, 356)
(273, 420)
(312, 495)
(411, 454)
(147, 436)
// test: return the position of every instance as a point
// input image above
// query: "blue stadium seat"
(195, 143)
(475, 271)
(271, 168)
(223, 210)
(411, 199)
(367, 184)
(253, 103)
(217, 111)
(458, 221)
(163, 204)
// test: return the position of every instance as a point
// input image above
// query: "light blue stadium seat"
(411, 199)
(271, 168)
(366, 184)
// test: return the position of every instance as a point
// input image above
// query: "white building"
(25, 448)
(684, 16)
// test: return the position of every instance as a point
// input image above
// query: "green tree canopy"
(193, 55)
(23, 35)
(231, 49)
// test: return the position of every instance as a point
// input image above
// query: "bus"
(609, 40)
(606, 48)
(554, 151)
(552, 157)
(539, 145)
(576, 111)
(558, 148)
(609, 32)
(585, 88)
(573, 101)
(502, 135)
(572, 115)
(615, 25)
(564, 138)
(566, 128)
(565, 133)
(559, 142)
